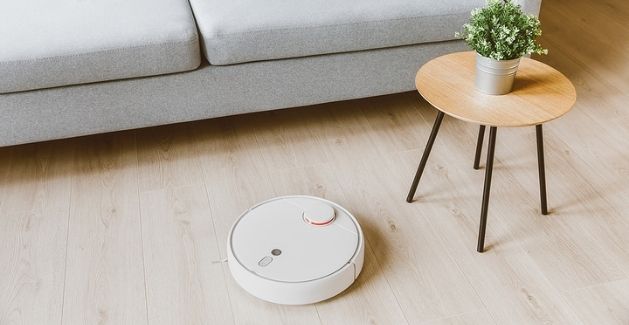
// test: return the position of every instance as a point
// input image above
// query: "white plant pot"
(495, 77)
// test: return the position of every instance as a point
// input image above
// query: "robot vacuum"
(295, 250)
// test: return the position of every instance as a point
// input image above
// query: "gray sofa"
(71, 67)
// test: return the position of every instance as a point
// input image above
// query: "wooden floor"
(130, 228)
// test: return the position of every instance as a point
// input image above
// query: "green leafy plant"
(502, 31)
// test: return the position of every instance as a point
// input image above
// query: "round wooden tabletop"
(540, 93)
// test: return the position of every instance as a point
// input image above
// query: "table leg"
(542, 169)
(422, 163)
(479, 146)
(488, 169)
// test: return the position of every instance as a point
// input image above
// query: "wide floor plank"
(184, 280)
(104, 266)
(602, 304)
(33, 232)
(181, 256)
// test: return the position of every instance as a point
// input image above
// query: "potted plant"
(500, 33)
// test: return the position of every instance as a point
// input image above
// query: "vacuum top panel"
(295, 239)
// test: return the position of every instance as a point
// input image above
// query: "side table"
(540, 94)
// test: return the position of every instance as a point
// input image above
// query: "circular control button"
(319, 214)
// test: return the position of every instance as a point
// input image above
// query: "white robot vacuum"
(295, 250)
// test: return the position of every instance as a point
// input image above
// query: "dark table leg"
(488, 169)
(479, 146)
(540, 165)
(422, 163)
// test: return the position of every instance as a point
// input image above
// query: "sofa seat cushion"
(237, 31)
(46, 43)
